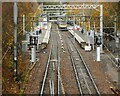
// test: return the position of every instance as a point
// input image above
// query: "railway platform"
(43, 33)
(82, 35)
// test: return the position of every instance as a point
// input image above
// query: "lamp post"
(23, 24)
(15, 39)
(115, 19)
(101, 28)
(74, 29)
(83, 21)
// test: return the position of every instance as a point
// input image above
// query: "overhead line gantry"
(48, 8)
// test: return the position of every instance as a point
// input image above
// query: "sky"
(61, 0)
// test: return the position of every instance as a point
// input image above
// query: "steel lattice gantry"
(82, 6)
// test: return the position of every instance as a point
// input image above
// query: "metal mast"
(15, 38)
(101, 27)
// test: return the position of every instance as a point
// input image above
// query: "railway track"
(84, 79)
(52, 80)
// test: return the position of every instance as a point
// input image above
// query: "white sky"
(61, 0)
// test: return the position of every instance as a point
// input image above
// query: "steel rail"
(85, 68)
(58, 71)
(90, 75)
(54, 52)
(51, 56)
(81, 71)
(116, 92)
(75, 71)
(50, 87)
(59, 66)
(53, 87)
(46, 72)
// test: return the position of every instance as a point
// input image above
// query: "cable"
(30, 19)
(5, 54)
